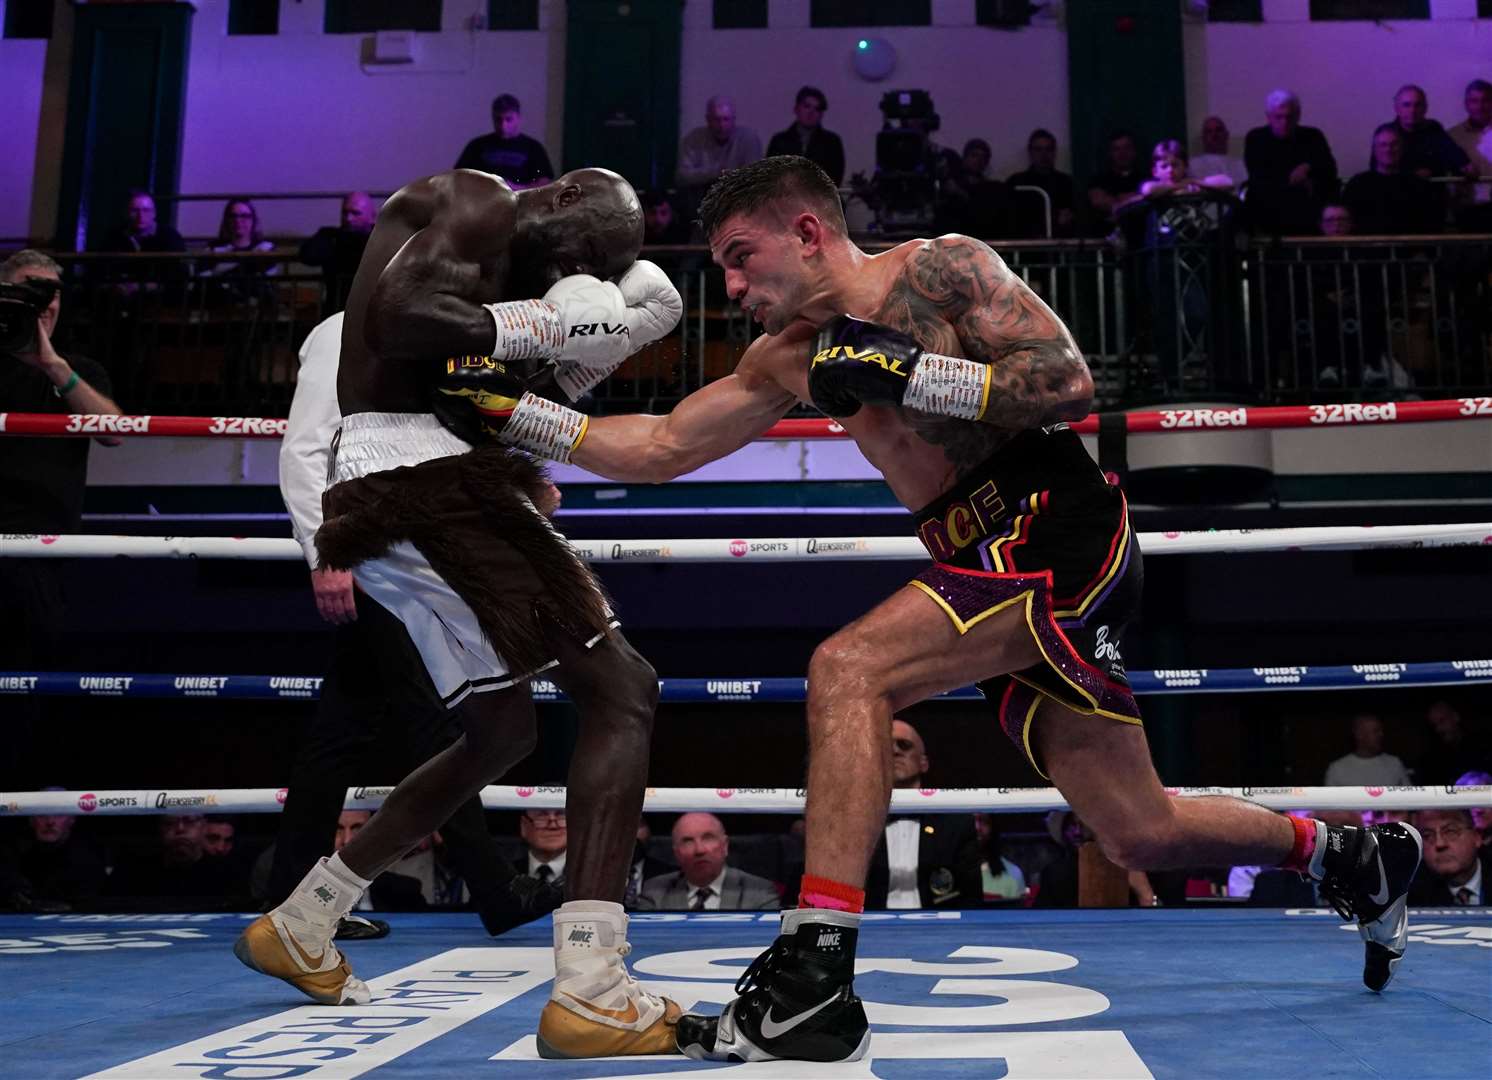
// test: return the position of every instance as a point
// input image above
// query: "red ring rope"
(1136, 423)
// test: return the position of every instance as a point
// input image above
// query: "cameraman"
(41, 486)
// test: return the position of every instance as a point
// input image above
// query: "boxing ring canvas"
(1015, 994)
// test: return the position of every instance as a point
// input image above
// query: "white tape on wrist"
(948, 386)
(545, 428)
(527, 330)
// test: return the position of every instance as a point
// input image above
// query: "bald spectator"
(506, 151)
(706, 152)
(1041, 152)
(1457, 871)
(924, 861)
(337, 249)
(1389, 199)
(807, 136)
(1214, 160)
(1367, 765)
(1428, 150)
(1291, 171)
(703, 881)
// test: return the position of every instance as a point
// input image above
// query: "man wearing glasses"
(1458, 869)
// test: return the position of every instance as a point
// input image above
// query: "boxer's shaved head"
(589, 221)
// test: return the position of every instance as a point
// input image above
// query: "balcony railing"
(1199, 317)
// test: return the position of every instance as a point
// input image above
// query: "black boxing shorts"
(1038, 525)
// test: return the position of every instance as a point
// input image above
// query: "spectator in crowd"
(1451, 751)
(507, 152)
(239, 234)
(177, 875)
(1291, 171)
(1474, 134)
(1336, 220)
(337, 249)
(661, 224)
(807, 136)
(1057, 883)
(1214, 160)
(43, 481)
(922, 862)
(1002, 880)
(703, 881)
(706, 152)
(1390, 199)
(1171, 174)
(545, 835)
(1116, 185)
(51, 868)
(1481, 816)
(141, 231)
(218, 836)
(1428, 151)
(1041, 151)
(1458, 869)
(972, 202)
(1367, 765)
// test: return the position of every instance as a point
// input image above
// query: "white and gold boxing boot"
(597, 1009)
(294, 941)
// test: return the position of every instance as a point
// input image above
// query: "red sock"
(1304, 846)
(821, 892)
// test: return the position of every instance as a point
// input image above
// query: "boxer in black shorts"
(956, 382)
(1038, 527)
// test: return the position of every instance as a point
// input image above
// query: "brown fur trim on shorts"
(468, 516)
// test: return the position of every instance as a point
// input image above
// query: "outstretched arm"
(710, 423)
(1037, 376)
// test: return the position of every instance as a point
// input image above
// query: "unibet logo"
(828, 939)
(582, 936)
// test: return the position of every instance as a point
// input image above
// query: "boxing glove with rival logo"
(857, 363)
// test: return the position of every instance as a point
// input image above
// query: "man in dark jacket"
(807, 136)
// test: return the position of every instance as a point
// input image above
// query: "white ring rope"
(730, 800)
(771, 549)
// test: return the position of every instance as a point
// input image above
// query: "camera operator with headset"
(41, 484)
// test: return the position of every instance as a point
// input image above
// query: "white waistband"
(374, 442)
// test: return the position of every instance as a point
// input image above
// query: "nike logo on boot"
(772, 1029)
(629, 1015)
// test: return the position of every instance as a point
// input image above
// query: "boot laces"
(758, 973)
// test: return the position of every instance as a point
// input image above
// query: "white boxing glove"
(654, 306)
(581, 324)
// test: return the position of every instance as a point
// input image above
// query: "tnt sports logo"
(738, 548)
(725, 792)
(524, 792)
(1173, 791)
(88, 803)
(54, 539)
(1374, 791)
(927, 792)
(282, 795)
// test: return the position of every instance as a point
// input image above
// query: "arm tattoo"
(958, 297)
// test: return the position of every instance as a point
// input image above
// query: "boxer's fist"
(475, 395)
(859, 363)
(597, 331)
(653, 304)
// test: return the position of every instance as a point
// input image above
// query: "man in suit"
(930, 861)
(545, 836)
(703, 882)
(1458, 868)
(807, 137)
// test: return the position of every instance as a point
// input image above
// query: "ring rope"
(778, 690)
(770, 549)
(1146, 422)
(732, 800)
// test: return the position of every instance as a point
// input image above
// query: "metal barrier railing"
(1196, 317)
